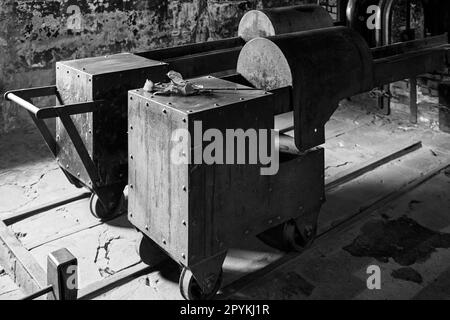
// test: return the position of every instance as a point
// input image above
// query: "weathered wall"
(34, 34)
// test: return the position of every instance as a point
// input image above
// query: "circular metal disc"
(255, 24)
(263, 64)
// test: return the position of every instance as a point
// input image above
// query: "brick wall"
(428, 83)
(34, 34)
(331, 6)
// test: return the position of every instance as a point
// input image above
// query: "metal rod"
(46, 134)
(413, 100)
(97, 288)
(34, 92)
(22, 102)
(19, 216)
(371, 165)
(38, 293)
(229, 89)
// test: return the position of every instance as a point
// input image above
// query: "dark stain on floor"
(283, 286)
(403, 240)
(293, 283)
(407, 274)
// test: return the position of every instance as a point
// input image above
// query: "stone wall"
(331, 6)
(34, 34)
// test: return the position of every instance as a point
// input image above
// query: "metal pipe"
(38, 293)
(22, 102)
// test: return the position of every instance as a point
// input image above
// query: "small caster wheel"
(288, 237)
(190, 289)
(150, 253)
(99, 211)
(296, 239)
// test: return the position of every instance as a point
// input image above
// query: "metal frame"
(23, 98)
(385, 39)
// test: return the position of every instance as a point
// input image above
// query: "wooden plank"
(19, 263)
(101, 251)
(8, 289)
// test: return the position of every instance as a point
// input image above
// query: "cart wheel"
(296, 239)
(190, 289)
(99, 211)
(289, 237)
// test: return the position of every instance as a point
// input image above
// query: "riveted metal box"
(195, 209)
(104, 131)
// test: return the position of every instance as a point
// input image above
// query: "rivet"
(131, 127)
(216, 104)
(131, 98)
(184, 188)
(164, 111)
(164, 241)
(146, 227)
(183, 256)
(169, 103)
(242, 99)
(67, 166)
(131, 186)
(247, 232)
(78, 174)
(315, 130)
(90, 79)
(131, 156)
(183, 222)
(131, 215)
(147, 104)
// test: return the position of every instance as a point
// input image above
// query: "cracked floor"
(30, 177)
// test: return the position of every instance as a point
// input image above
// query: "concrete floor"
(334, 268)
